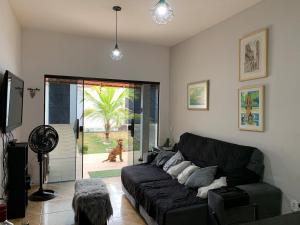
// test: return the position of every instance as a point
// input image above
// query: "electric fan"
(42, 140)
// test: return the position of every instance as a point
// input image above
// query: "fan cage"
(43, 139)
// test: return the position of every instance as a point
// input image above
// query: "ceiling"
(95, 18)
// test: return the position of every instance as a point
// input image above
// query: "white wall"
(10, 51)
(213, 55)
(60, 54)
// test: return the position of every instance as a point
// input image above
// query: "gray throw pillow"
(202, 177)
(174, 171)
(162, 157)
(174, 160)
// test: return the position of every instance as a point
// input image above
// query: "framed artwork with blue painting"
(251, 108)
(198, 95)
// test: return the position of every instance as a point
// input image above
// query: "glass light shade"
(116, 54)
(162, 13)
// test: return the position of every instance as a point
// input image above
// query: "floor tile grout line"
(60, 211)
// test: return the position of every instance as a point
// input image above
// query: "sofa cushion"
(174, 171)
(174, 160)
(186, 173)
(160, 197)
(202, 177)
(230, 158)
(133, 176)
(162, 157)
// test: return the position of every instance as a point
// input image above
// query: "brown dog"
(117, 151)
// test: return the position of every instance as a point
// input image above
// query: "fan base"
(42, 195)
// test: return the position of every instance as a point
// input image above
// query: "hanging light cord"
(116, 27)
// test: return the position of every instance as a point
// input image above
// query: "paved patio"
(94, 162)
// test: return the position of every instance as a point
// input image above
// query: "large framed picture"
(253, 55)
(198, 95)
(251, 108)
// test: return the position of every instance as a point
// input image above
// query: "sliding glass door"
(103, 125)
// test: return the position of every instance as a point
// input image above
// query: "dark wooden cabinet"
(17, 169)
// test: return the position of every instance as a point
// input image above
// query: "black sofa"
(162, 200)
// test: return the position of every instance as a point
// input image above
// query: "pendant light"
(116, 53)
(162, 13)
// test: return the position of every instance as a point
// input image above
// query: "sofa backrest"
(233, 161)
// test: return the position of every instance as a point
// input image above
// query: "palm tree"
(108, 104)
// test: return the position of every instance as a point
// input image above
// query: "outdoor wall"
(213, 55)
(10, 51)
(61, 54)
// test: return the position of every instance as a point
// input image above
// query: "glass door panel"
(137, 124)
(106, 117)
(79, 131)
(154, 116)
(63, 111)
(144, 124)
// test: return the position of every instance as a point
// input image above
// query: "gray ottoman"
(91, 202)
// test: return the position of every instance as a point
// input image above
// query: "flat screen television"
(12, 90)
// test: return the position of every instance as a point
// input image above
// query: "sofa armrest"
(230, 205)
(151, 156)
(266, 197)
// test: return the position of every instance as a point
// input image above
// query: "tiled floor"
(59, 211)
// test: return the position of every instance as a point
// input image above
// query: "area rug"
(105, 173)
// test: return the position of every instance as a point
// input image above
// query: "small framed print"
(253, 56)
(198, 95)
(251, 108)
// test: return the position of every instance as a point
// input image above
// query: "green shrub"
(85, 149)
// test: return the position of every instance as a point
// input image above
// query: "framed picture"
(251, 108)
(253, 55)
(198, 95)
